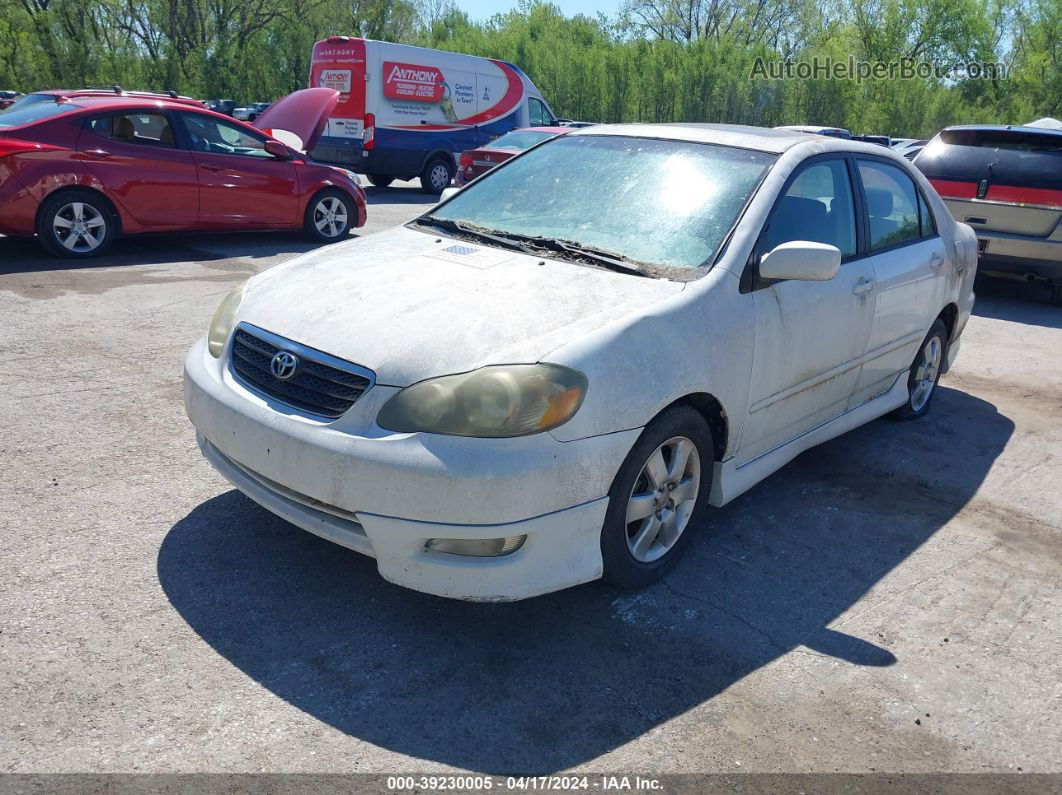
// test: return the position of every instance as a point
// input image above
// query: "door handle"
(212, 169)
(862, 287)
(100, 153)
(936, 261)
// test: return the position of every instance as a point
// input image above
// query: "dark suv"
(1005, 182)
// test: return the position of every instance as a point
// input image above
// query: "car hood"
(302, 113)
(410, 305)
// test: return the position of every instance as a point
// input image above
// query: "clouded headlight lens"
(223, 320)
(508, 400)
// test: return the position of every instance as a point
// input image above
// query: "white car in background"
(552, 375)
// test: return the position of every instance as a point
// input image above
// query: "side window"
(208, 134)
(925, 217)
(817, 206)
(537, 114)
(892, 205)
(148, 129)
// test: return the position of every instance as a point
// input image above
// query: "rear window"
(1018, 140)
(1022, 158)
(18, 115)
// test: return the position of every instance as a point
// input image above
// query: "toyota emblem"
(284, 365)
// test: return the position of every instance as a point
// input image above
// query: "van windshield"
(665, 205)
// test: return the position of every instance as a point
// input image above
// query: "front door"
(810, 336)
(241, 185)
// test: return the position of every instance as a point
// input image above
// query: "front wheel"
(436, 176)
(924, 374)
(76, 224)
(329, 216)
(659, 495)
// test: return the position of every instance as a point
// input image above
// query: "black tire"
(431, 178)
(320, 205)
(621, 567)
(380, 180)
(97, 215)
(1056, 292)
(918, 404)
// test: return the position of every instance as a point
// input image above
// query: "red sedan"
(481, 160)
(81, 171)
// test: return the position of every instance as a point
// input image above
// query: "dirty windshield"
(666, 205)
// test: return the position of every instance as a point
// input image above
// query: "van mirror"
(448, 193)
(801, 260)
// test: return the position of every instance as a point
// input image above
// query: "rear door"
(137, 157)
(908, 257)
(240, 184)
(810, 336)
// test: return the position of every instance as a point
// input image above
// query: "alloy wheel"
(330, 216)
(662, 499)
(925, 379)
(79, 227)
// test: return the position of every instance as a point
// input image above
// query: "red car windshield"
(520, 139)
(18, 115)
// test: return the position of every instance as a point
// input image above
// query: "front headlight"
(506, 400)
(223, 321)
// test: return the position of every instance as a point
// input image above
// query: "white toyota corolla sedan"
(553, 374)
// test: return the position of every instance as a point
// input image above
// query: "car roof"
(118, 93)
(97, 103)
(742, 136)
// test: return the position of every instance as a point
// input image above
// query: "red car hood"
(302, 113)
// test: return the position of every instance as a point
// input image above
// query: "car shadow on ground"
(25, 255)
(1016, 301)
(549, 683)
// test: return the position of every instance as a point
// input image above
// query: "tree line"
(655, 60)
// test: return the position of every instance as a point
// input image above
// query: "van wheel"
(924, 374)
(329, 216)
(436, 176)
(76, 224)
(380, 181)
(659, 496)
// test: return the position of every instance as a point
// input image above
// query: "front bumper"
(385, 494)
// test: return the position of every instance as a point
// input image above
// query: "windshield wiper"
(531, 244)
(604, 258)
(476, 232)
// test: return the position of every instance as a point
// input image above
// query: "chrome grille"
(322, 385)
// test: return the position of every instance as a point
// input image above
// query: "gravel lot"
(889, 601)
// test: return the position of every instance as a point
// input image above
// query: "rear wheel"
(924, 374)
(380, 181)
(76, 224)
(329, 216)
(436, 176)
(659, 495)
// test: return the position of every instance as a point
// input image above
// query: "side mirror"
(448, 193)
(801, 260)
(277, 150)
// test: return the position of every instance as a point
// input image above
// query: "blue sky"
(483, 9)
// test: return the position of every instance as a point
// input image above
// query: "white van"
(408, 111)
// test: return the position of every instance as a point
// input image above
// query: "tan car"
(1006, 183)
